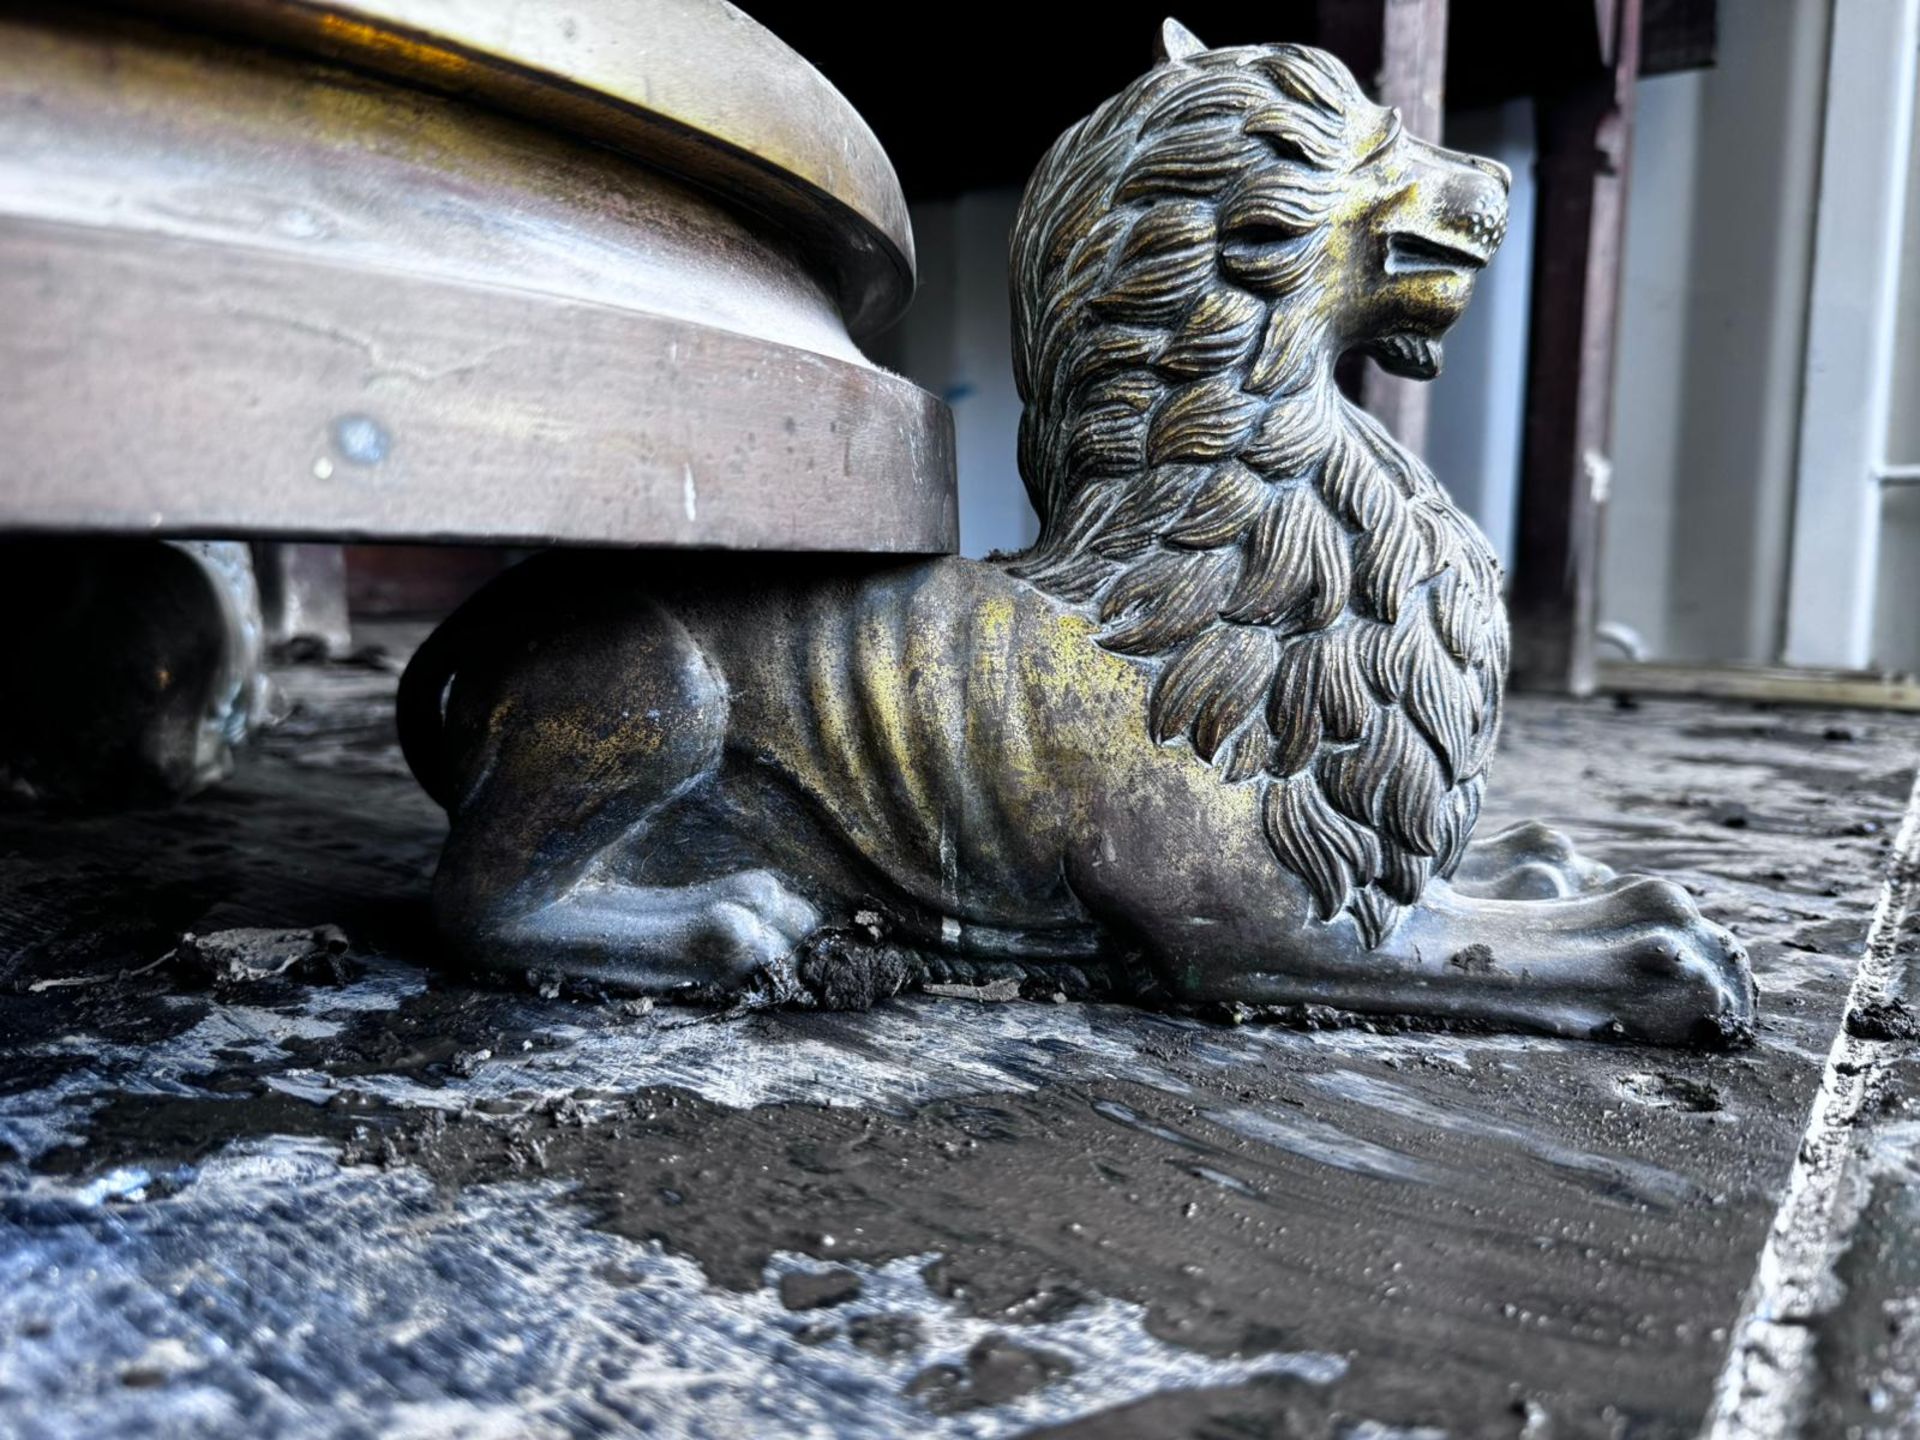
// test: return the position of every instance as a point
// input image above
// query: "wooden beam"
(1765, 684)
(1585, 143)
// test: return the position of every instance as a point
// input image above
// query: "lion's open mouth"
(1413, 254)
(1417, 357)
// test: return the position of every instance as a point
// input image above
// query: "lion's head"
(1246, 212)
(1315, 617)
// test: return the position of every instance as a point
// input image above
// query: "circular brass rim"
(693, 87)
(384, 406)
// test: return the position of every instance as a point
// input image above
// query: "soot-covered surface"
(289, 1180)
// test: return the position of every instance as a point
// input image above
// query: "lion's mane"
(1319, 618)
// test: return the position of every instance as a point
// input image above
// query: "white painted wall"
(957, 341)
(1846, 396)
(1903, 421)
(1896, 637)
(1648, 398)
(1479, 401)
(1712, 338)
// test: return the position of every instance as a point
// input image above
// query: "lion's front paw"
(1528, 861)
(1681, 978)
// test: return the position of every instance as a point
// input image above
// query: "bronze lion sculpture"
(1220, 735)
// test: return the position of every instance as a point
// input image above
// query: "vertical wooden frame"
(1585, 145)
(1833, 560)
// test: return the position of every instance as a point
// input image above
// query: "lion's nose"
(1474, 203)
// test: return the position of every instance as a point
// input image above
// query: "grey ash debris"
(1474, 959)
(1891, 1019)
(996, 1371)
(251, 954)
(802, 1290)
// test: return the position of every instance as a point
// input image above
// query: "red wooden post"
(1585, 142)
(1399, 49)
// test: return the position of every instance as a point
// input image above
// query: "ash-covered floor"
(363, 1197)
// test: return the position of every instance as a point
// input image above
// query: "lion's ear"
(1175, 42)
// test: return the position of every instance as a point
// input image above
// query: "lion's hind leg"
(712, 938)
(572, 754)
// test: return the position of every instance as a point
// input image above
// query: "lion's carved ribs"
(1222, 733)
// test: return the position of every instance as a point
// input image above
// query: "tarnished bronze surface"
(1220, 735)
(247, 293)
(132, 668)
(186, 391)
(691, 86)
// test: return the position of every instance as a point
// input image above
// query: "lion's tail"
(420, 708)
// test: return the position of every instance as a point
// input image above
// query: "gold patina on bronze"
(1221, 734)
